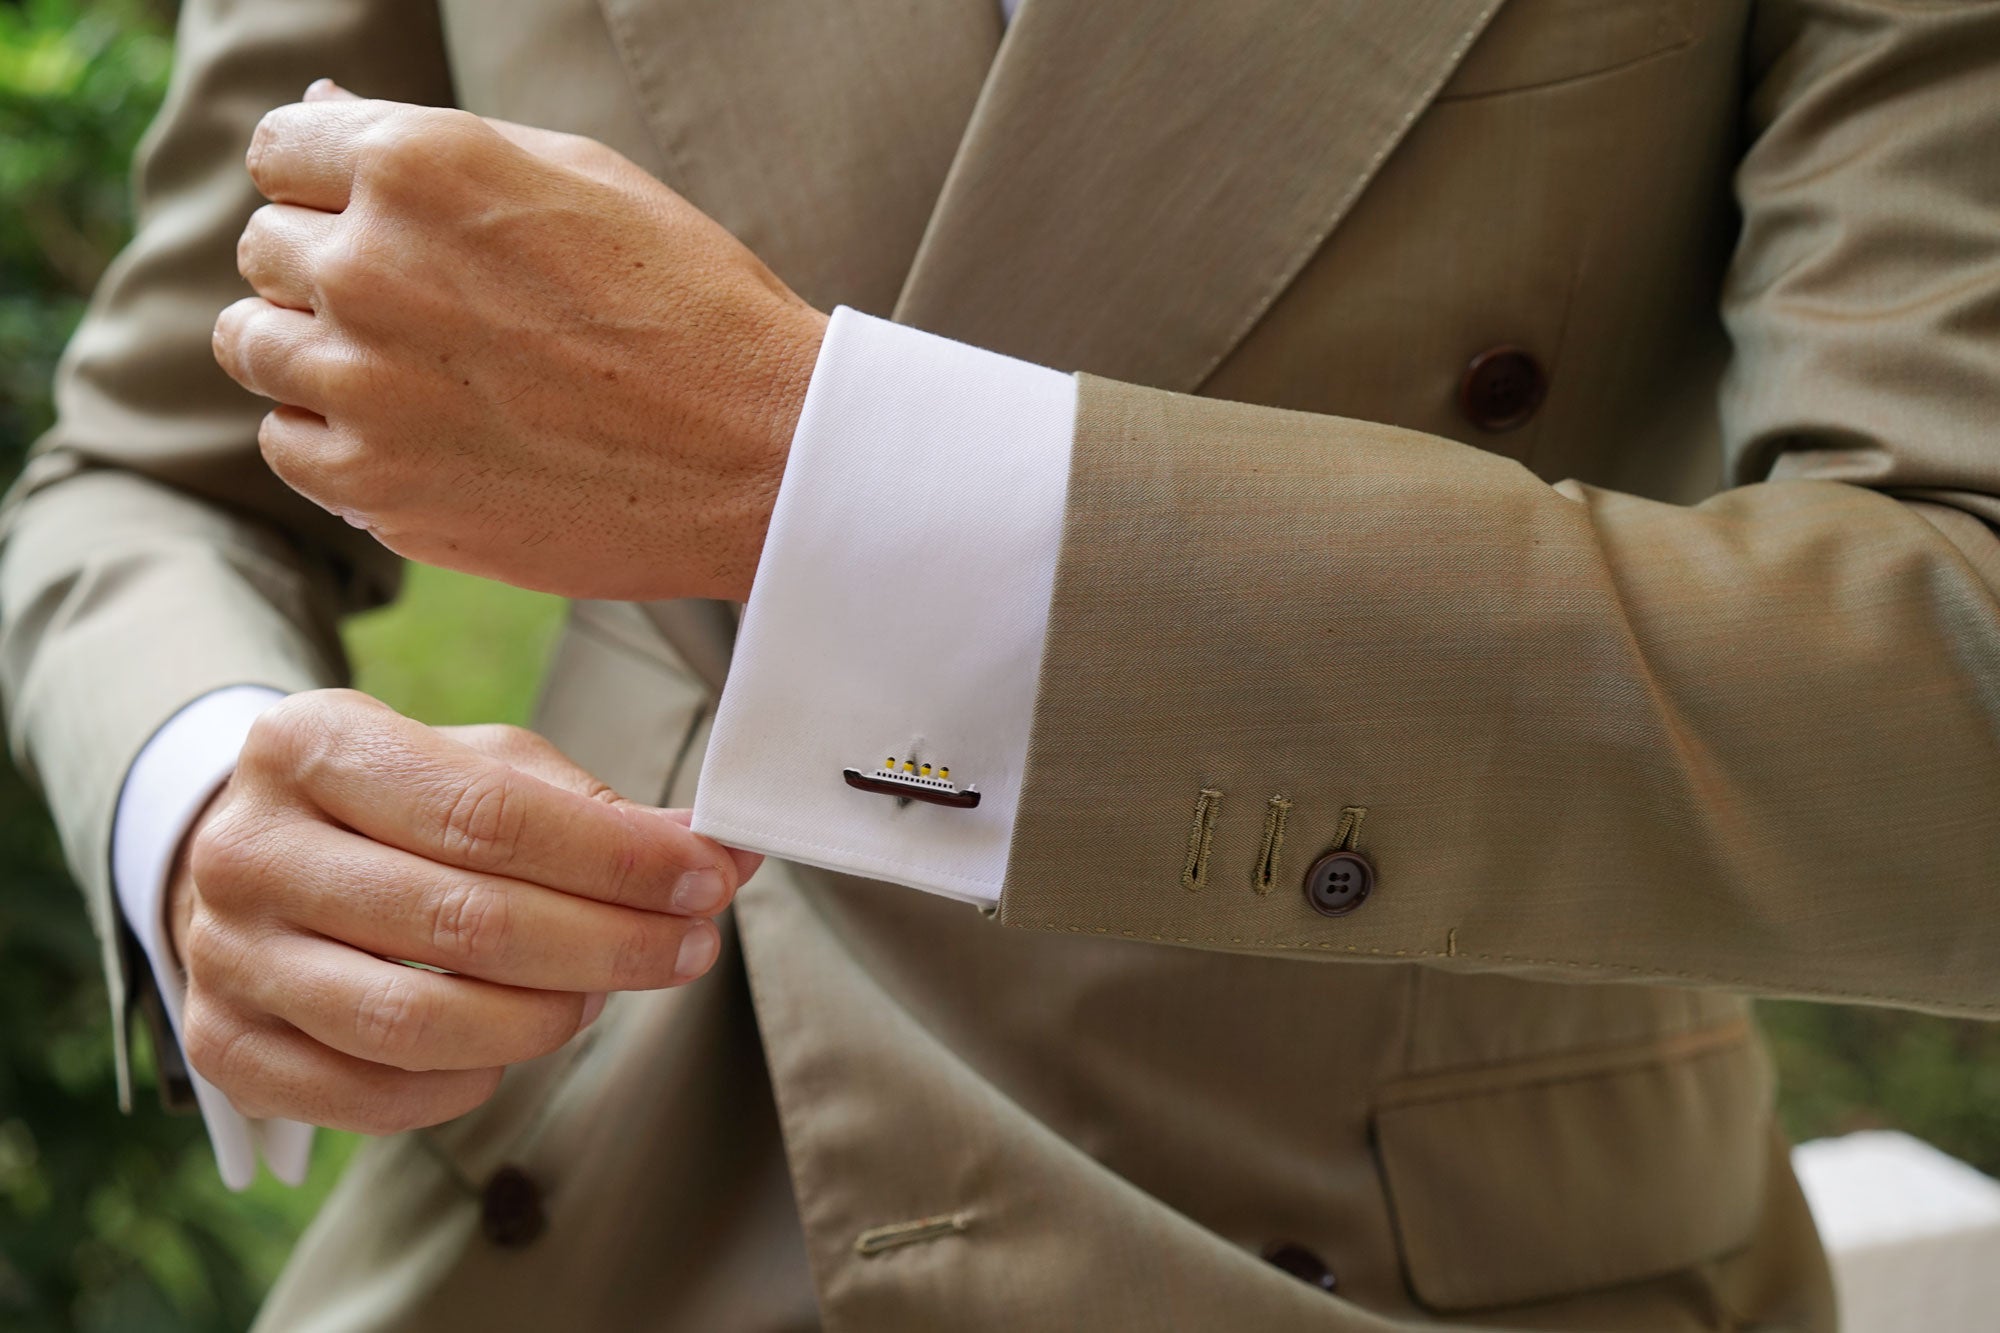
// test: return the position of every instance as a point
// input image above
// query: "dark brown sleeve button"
(1339, 882)
(1301, 1263)
(1501, 389)
(510, 1208)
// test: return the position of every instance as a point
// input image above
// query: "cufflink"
(912, 781)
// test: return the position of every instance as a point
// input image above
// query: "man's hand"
(351, 837)
(513, 352)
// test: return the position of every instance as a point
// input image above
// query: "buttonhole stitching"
(877, 1239)
(1194, 870)
(1266, 873)
(1347, 838)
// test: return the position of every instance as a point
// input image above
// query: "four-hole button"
(1339, 882)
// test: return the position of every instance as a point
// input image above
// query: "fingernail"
(593, 1005)
(700, 893)
(697, 953)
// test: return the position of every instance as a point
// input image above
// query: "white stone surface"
(1913, 1235)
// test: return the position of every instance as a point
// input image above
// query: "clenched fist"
(513, 352)
(351, 838)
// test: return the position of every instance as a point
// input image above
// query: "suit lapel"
(1140, 181)
(819, 133)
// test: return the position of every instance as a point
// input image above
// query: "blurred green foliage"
(111, 1224)
(78, 82)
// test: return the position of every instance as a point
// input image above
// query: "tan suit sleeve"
(1751, 744)
(150, 556)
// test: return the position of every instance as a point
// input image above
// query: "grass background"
(114, 1224)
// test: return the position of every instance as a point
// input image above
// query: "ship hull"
(956, 800)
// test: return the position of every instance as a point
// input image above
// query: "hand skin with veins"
(351, 837)
(513, 352)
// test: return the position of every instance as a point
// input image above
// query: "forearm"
(1749, 744)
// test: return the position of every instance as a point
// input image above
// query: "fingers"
(406, 1017)
(407, 785)
(279, 253)
(305, 453)
(275, 352)
(319, 152)
(401, 906)
(746, 862)
(305, 153)
(269, 1070)
(533, 753)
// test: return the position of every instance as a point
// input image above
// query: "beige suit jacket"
(1686, 688)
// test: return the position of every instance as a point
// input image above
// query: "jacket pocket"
(1573, 1173)
(1533, 43)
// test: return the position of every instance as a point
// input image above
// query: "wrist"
(780, 368)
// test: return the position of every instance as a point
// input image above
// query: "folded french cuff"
(876, 716)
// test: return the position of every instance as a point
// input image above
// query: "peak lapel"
(1140, 180)
(818, 133)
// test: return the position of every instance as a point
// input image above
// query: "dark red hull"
(957, 800)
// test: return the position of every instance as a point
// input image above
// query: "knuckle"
(471, 925)
(417, 145)
(228, 858)
(494, 738)
(483, 823)
(210, 954)
(251, 243)
(230, 330)
(621, 862)
(278, 450)
(293, 737)
(219, 1048)
(393, 1020)
(346, 274)
(263, 140)
(334, 466)
(385, 151)
(249, 334)
(455, 136)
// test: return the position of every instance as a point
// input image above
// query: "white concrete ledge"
(1914, 1235)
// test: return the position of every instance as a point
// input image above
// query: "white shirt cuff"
(898, 611)
(183, 765)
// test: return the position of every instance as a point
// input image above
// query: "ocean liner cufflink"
(912, 781)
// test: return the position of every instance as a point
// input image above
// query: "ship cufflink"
(912, 781)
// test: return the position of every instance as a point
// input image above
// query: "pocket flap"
(1528, 1183)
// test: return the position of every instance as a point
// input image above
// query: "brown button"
(1339, 882)
(510, 1211)
(1301, 1263)
(1501, 389)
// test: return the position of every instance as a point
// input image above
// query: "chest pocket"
(1575, 1173)
(1532, 43)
